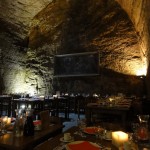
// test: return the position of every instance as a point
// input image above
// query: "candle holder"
(119, 138)
(142, 132)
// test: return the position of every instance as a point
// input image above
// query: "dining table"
(85, 139)
(9, 141)
(119, 110)
(58, 104)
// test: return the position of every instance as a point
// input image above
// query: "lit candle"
(5, 119)
(118, 138)
(8, 121)
(54, 96)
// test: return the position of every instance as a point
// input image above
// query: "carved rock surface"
(68, 26)
(18, 14)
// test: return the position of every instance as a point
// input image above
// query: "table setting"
(95, 137)
(5, 124)
(84, 137)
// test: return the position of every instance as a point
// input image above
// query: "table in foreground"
(55, 142)
(10, 142)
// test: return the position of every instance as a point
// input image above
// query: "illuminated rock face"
(41, 29)
(18, 14)
(139, 13)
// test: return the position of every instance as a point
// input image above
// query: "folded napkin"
(83, 145)
(37, 122)
(90, 130)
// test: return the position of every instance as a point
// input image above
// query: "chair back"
(45, 119)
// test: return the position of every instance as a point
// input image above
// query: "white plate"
(78, 142)
(62, 140)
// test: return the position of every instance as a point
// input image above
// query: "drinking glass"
(134, 127)
(81, 125)
(1, 127)
(99, 134)
(4, 122)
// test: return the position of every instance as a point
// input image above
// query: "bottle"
(18, 132)
(142, 132)
(28, 125)
(18, 126)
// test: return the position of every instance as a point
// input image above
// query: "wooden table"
(57, 104)
(53, 143)
(111, 111)
(10, 142)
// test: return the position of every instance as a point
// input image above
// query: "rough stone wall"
(12, 64)
(71, 27)
(18, 14)
(139, 13)
(91, 26)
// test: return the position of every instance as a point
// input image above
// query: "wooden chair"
(81, 103)
(64, 107)
(5, 105)
(52, 106)
(46, 119)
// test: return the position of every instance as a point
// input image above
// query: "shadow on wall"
(148, 81)
(1, 85)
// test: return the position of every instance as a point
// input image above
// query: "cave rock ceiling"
(16, 15)
(77, 25)
(68, 26)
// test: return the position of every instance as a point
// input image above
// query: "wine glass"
(99, 133)
(81, 125)
(1, 127)
(134, 127)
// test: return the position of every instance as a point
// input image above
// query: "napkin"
(83, 145)
(90, 130)
(37, 122)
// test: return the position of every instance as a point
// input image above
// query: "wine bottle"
(28, 127)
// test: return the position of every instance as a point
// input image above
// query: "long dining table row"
(54, 104)
(8, 105)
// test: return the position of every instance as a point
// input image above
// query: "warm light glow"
(23, 106)
(24, 88)
(4, 119)
(111, 99)
(95, 95)
(55, 96)
(8, 121)
(141, 72)
(119, 137)
(20, 85)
